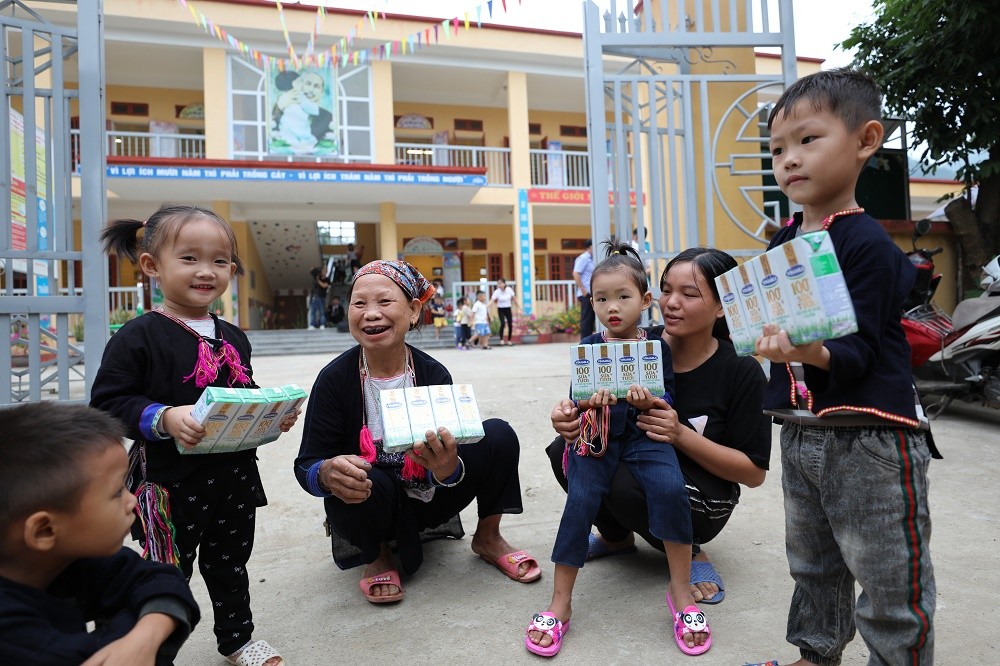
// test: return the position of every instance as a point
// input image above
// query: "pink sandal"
(511, 562)
(390, 577)
(547, 623)
(692, 621)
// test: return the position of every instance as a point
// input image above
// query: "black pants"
(213, 512)
(586, 316)
(506, 317)
(624, 508)
(491, 478)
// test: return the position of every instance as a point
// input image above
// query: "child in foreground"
(153, 371)
(64, 511)
(619, 288)
(854, 471)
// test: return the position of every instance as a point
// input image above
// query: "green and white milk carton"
(396, 435)
(444, 408)
(235, 438)
(214, 410)
(605, 376)
(626, 367)
(776, 293)
(749, 295)
(742, 339)
(420, 412)
(651, 366)
(268, 426)
(468, 414)
(582, 378)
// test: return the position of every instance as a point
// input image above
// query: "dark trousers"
(506, 319)
(624, 509)
(586, 316)
(491, 478)
(213, 512)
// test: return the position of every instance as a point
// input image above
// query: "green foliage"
(78, 329)
(938, 63)
(120, 316)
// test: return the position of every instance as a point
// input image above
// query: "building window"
(468, 125)
(249, 114)
(541, 243)
(478, 243)
(534, 129)
(336, 233)
(573, 130)
(129, 109)
(573, 243)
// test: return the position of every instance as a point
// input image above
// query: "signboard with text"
(294, 175)
(579, 197)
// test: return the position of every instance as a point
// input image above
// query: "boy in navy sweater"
(854, 459)
(64, 512)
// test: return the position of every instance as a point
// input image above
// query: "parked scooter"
(955, 357)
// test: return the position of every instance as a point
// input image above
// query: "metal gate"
(684, 154)
(50, 291)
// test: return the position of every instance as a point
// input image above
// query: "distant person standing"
(317, 298)
(504, 297)
(481, 320)
(583, 268)
(354, 258)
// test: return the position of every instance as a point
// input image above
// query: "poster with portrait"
(302, 112)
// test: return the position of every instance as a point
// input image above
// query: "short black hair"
(41, 453)
(847, 93)
(712, 263)
(588, 243)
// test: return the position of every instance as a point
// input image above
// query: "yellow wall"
(262, 292)
(161, 104)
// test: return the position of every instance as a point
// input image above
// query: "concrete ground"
(460, 610)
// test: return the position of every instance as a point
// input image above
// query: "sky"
(818, 24)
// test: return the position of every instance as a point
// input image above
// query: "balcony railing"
(146, 144)
(560, 169)
(496, 161)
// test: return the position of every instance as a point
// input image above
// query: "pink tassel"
(367, 444)
(412, 470)
(231, 357)
(206, 369)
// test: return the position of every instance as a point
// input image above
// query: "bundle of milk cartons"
(408, 413)
(238, 418)
(616, 366)
(798, 286)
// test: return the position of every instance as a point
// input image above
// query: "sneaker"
(311, 327)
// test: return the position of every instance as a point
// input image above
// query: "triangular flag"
(479, 16)
(504, 3)
(466, 20)
(454, 23)
(447, 28)
(436, 36)
(489, 6)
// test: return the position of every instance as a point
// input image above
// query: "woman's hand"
(566, 420)
(346, 478)
(439, 453)
(660, 422)
(179, 424)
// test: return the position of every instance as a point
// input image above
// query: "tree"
(938, 62)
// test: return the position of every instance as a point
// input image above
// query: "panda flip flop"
(693, 621)
(547, 623)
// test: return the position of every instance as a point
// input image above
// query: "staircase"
(331, 342)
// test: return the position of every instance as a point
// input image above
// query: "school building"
(430, 149)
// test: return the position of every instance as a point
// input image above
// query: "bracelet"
(436, 482)
(155, 426)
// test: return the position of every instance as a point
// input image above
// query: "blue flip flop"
(704, 572)
(598, 548)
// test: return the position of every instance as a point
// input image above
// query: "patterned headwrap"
(406, 276)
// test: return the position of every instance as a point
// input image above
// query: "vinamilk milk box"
(775, 292)
(582, 360)
(605, 375)
(626, 367)
(214, 410)
(749, 295)
(396, 435)
(651, 366)
(444, 408)
(468, 414)
(241, 425)
(268, 426)
(419, 411)
(821, 302)
(742, 339)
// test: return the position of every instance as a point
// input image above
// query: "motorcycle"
(955, 357)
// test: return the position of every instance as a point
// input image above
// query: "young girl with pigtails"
(619, 288)
(153, 371)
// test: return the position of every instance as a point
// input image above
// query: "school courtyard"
(459, 610)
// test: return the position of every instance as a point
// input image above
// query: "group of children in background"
(69, 494)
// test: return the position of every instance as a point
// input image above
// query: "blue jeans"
(655, 468)
(856, 509)
(316, 315)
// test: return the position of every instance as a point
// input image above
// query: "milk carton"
(626, 367)
(651, 366)
(396, 435)
(605, 376)
(468, 413)
(420, 412)
(749, 295)
(242, 423)
(742, 339)
(775, 293)
(834, 295)
(445, 410)
(268, 426)
(214, 410)
(582, 358)
(296, 397)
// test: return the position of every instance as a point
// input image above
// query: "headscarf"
(406, 276)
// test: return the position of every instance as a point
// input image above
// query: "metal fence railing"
(145, 144)
(496, 161)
